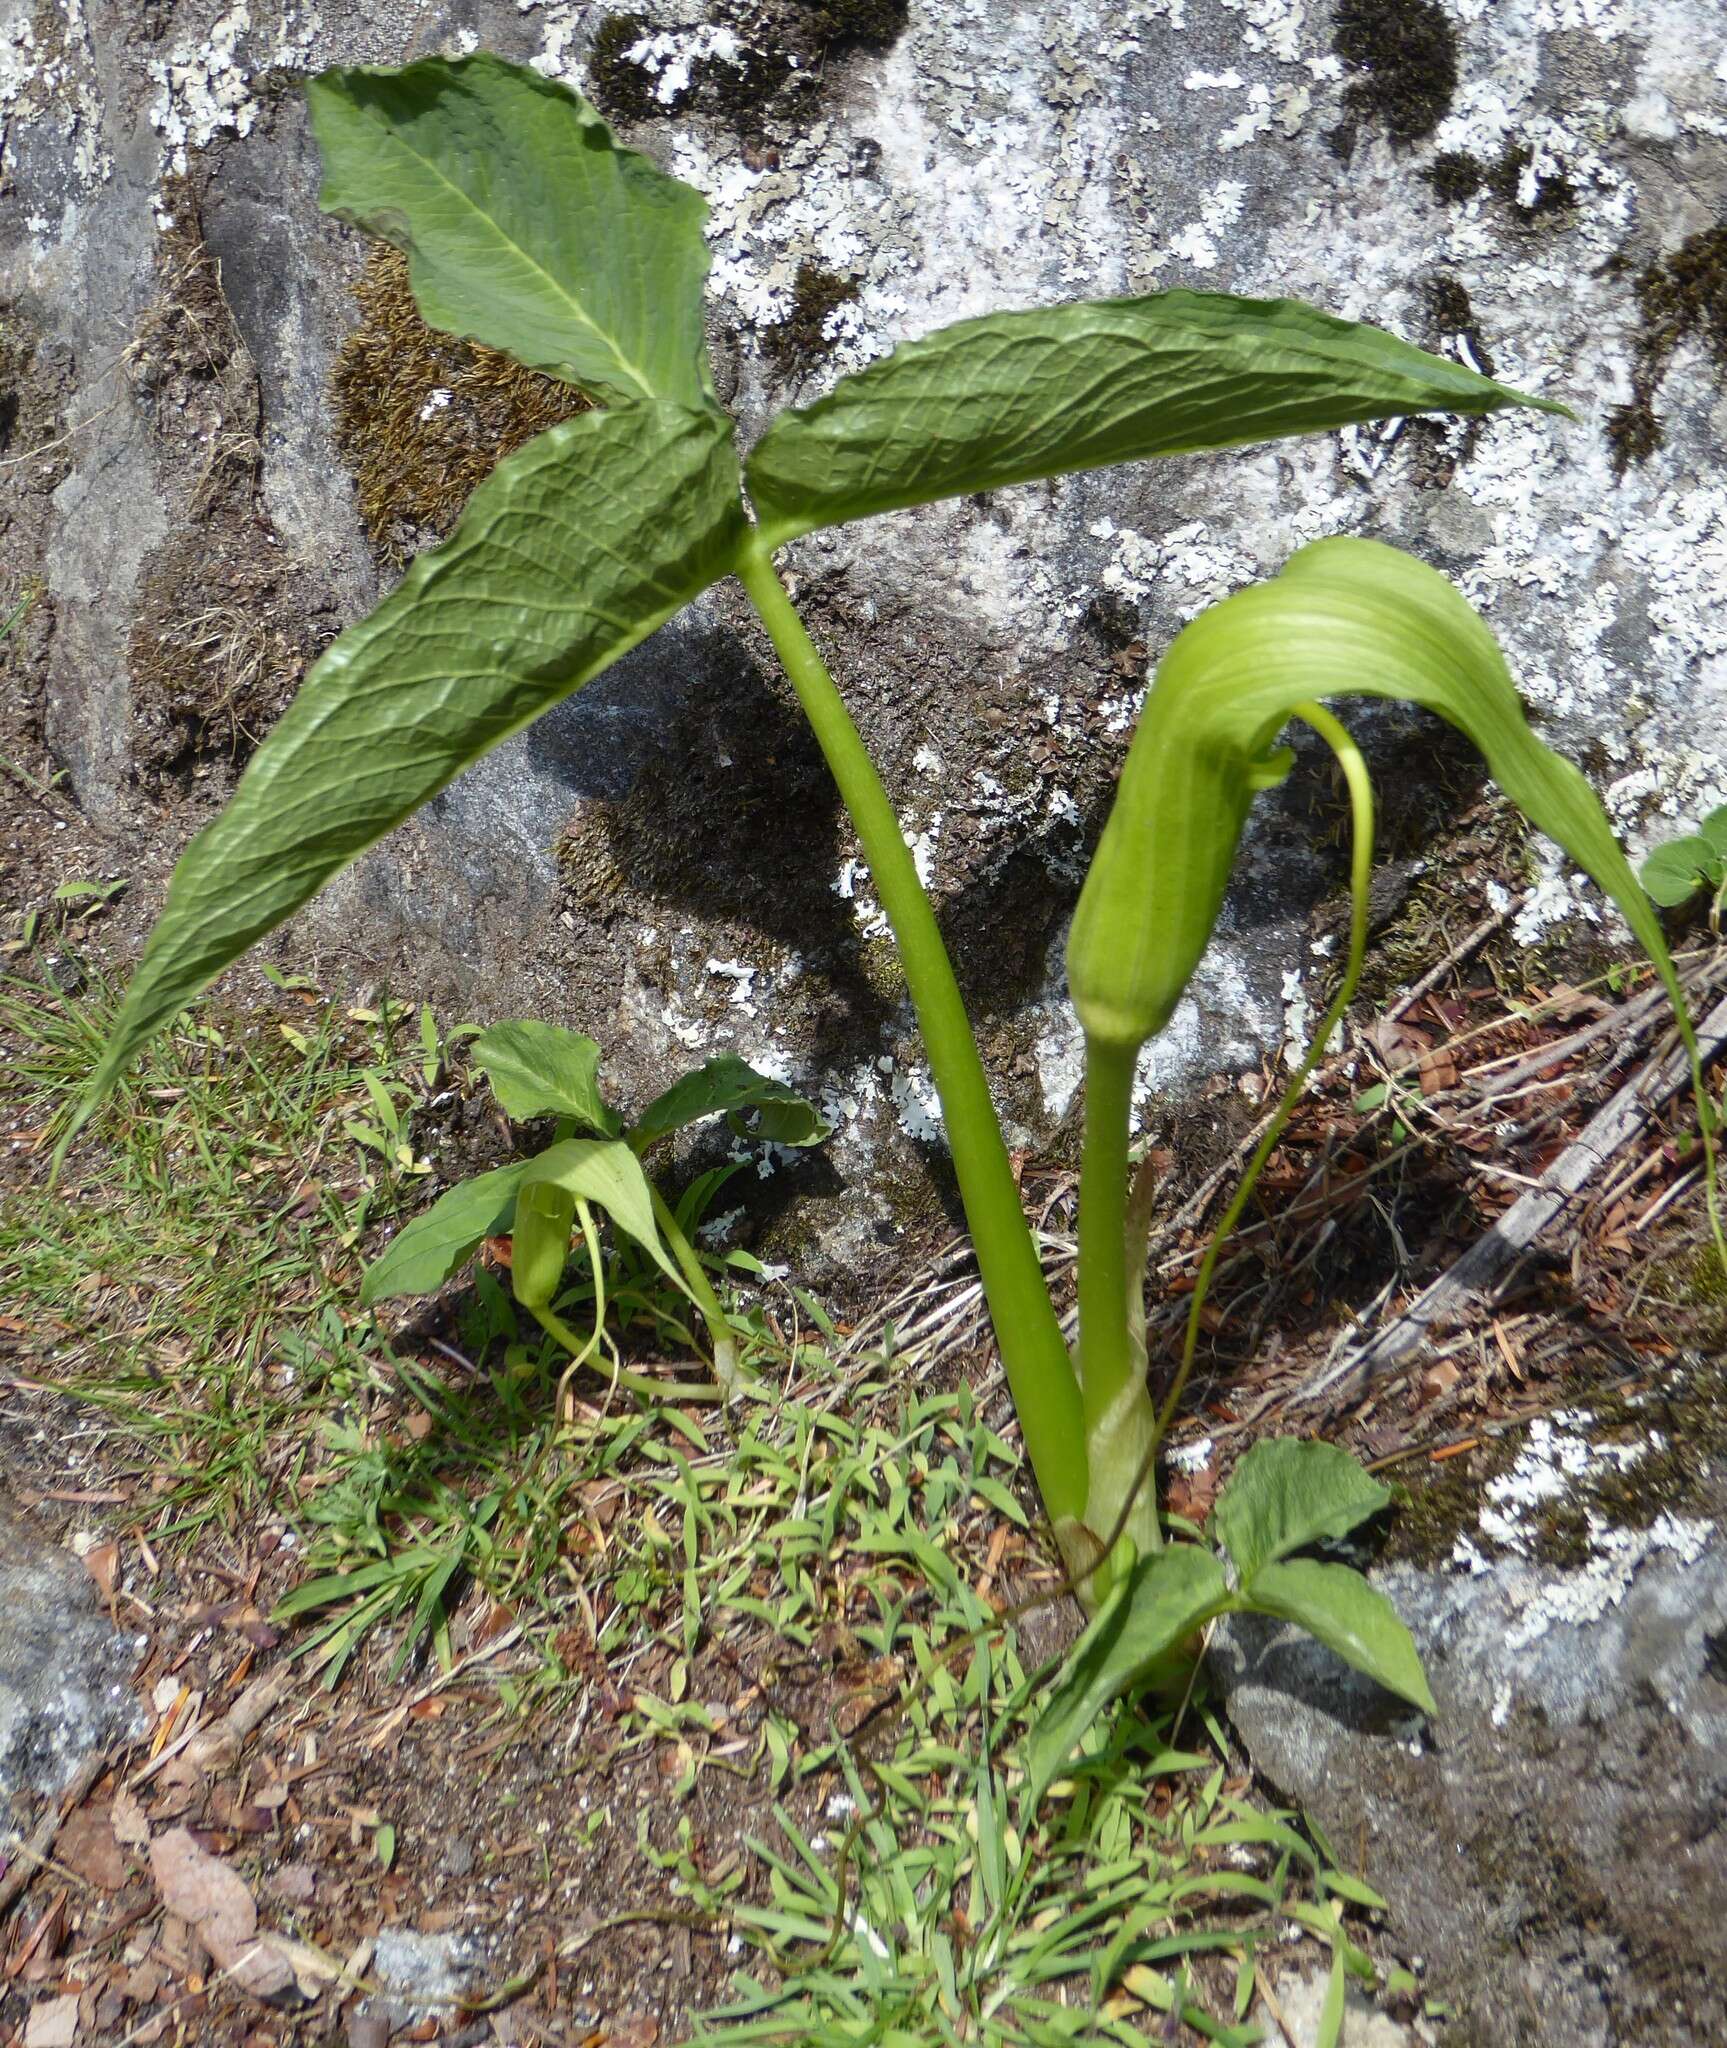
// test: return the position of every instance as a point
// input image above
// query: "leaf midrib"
(631, 369)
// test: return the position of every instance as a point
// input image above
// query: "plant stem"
(1105, 1352)
(1120, 1421)
(702, 1293)
(1354, 766)
(1039, 1372)
(638, 1383)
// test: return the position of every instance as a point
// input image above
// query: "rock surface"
(662, 861)
(64, 1667)
(1554, 1843)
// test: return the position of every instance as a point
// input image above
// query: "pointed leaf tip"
(1334, 1603)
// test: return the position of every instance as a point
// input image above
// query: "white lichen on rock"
(1561, 1458)
(49, 84)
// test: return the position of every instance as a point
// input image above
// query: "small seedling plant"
(539, 1070)
(1680, 871)
(527, 228)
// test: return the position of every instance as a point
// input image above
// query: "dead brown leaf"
(213, 1899)
(103, 1564)
(633, 2030)
(294, 1884)
(53, 2023)
(1438, 1071)
(87, 1845)
(127, 1819)
(43, 1941)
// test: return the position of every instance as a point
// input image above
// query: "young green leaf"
(607, 1173)
(1714, 829)
(526, 226)
(1287, 1493)
(1344, 616)
(1329, 2030)
(1337, 1605)
(1013, 397)
(540, 1241)
(570, 553)
(1677, 868)
(728, 1086)
(424, 1253)
(1162, 1601)
(543, 1070)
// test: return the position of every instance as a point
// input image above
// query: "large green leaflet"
(1336, 1604)
(526, 226)
(1163, 1601)
(1013, 397)
(426, 1251)
(540, 1069)
(568, 555)
(1287, 1493)
(1344, 617)
(730, 1087)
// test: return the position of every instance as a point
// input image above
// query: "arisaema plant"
(527, 228)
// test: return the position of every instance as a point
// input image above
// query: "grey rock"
(1553, 1844)
(993, 156)
(423, 1966)
(1301, 2010)
(65, 1669)
(418, 1974)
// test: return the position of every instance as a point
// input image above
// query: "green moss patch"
(773, 68)
(1404, 55)
(422, 418)
(1456, 176)
(796, 344)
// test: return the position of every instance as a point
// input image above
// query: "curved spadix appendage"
(1344, 618)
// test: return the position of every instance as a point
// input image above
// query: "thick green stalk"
(1120, 1421)
(1350, 759)
(701, 1293)
(1105, 1350)
(1033, 1352)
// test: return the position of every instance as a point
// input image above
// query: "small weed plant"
(540, 1070)
(528, 229)
(1694, 865)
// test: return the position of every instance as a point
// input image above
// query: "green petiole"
(1034, 1353)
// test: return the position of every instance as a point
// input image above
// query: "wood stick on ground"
(1489, 1262)
(1470, 944)
(214, 1747)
